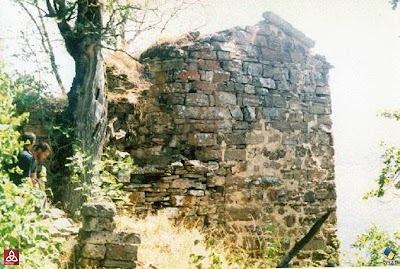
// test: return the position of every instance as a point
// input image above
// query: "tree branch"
(120, 50)
(284, 263)
(45, 41)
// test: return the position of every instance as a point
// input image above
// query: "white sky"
(361, 39)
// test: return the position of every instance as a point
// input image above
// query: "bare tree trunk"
(87, 103)
(87, 110)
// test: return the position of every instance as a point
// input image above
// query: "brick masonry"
(235, 129)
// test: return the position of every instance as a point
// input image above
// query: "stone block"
(197, 99)
(225, 98)
(248, 100)
(241, 79)
(243, 213)
(235, 139)
(241, 126)
(249, 114)
(254, 69)
(124, 238)
(196, 192)
(235, 155)
(118, 264)
(278, 101)
(249, 89)
(207, 154)
(92, 251)
(315, 243)
(216, 181)
(137, 197)
(204, 86)
(290, 220)
(96, 238)
(221, 77)
(254, 138)
(323, 90)
(99, 209)
(208, 65)
(202, 139)
(182, 184)
(204, 54)
(309, 197)
(223, 55)
(121, 252)
(232, 66)
(272, 113)
(88, 263)
(188, 76)
(206, 75)
(97, 224)
(236, 113)
(181, 200)
(268, 83)
(216, 114)
(261, 91)
(317, 110)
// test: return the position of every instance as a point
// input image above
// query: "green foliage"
(9, 121)
(374, 242)
(391, 114)
(389, 176)
(394, 3)
(20, 226)
(390, 173)
(106, 172)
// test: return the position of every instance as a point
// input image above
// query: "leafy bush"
(105, 184)
(374, 242)
(20, 226)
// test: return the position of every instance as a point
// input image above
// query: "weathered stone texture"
(102, 246)
(252, 106)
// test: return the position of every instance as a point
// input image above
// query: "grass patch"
(167, 245)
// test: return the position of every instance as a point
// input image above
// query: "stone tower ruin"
(234, 129)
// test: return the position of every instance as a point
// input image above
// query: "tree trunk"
(87, 111)
(88, 102)
(87, 105)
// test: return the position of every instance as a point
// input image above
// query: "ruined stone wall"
(252, 106)
(100, 244)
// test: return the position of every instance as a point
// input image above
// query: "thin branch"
(120, 50)
(51, 54)
(51, 9)
(46, 44)
(284, 263)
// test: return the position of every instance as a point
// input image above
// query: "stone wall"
(100, 244)
(252, 106)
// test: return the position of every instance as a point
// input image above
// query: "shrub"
(20, 226)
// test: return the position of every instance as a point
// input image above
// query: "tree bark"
(87, 110)
(87, 103)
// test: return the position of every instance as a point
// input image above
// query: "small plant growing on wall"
(114, 167)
